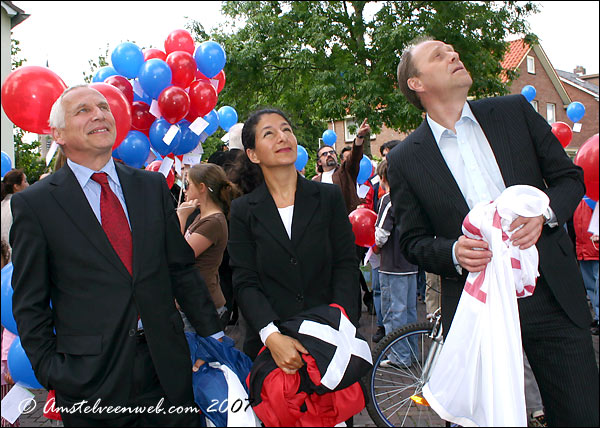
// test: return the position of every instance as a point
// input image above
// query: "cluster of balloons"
(18, 363)
(562, 131)
(148, 92)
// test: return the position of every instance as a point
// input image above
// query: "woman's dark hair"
(246, 174)
(221, 190)
(12, 178)
(5, 253)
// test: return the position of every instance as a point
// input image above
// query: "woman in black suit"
(291, 244)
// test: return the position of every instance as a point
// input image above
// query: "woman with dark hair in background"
(291, 244)
(14, 181)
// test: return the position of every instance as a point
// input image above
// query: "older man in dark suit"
(98, 262)
(468, 152)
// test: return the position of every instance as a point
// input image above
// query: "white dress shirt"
(471, 161)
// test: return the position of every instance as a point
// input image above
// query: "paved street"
(367, 328)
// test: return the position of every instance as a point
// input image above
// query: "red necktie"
(114, 222)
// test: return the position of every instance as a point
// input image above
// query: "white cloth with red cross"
(478, 378)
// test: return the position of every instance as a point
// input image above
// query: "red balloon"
(119, 106)
(179, 40)
(155, 166)
(154, 53)
(192, 115)
(563, 132)
(183, 68)
(28, 94)
(121, 83)
(141, 118)
(203, 97)
(174, 104)
(220, 77)
(587, 158)
(363, 225)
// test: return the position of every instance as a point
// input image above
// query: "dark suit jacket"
(274, 277)
(431, 207)
(61, 254)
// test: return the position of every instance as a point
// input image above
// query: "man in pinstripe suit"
(468, 152)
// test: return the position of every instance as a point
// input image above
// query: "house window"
(551, 113)
(351, 128)
(530, 65)
(534, 103)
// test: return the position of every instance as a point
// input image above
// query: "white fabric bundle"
(478, 379)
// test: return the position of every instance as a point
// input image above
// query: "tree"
(27, 157)
(320, 61)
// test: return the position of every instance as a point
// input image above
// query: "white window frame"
(551, 113)
(349, 137)
(530, 64)
(535, 105)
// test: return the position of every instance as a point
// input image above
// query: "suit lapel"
(495, 130)
(434, 164)
(265, 211)
(305, 204)
(132, 186)
(68, 194)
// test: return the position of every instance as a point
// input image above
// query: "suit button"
(299, 297)
(293, 261)
(132, 332)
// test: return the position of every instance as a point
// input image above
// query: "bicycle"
(394, 389)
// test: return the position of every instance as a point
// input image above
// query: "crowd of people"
(128, 269)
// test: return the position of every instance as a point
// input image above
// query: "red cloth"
(49, 408)
(581, 222)
(283, 405)
(114, 222)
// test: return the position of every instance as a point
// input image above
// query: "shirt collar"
(84, 174)
(438, 130)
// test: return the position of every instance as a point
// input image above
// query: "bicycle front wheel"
(396, 381)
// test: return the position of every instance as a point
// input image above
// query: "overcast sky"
(68, 34)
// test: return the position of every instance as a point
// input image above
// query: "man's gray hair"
(57, 114)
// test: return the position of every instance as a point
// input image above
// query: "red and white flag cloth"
(478, 379)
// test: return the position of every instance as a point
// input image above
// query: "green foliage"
(27, 157)
(95, 65)
(319, 61)
(16, 62)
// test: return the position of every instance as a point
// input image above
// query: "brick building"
(555, 91)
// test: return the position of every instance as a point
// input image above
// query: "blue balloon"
(6, 163)
(227, 117)
(213, 122)
(20, 366)
(144, 98)
(103, 73)
(127, 58)
(157, 132)
(576, 111)
(329, 137)
(189, 140)
(210, 58)
(154, 76)
(365, 170)
(528, 92)
(134, 149)
(302, 158)
(8, 320)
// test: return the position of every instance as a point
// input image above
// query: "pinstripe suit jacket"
(430, 206)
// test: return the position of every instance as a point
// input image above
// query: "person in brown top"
(208, 189)
(343, 175)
